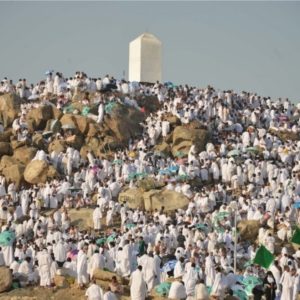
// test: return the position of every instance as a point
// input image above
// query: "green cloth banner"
(296, 236)
(263, 257)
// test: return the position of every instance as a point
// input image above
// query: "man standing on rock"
(100, 113)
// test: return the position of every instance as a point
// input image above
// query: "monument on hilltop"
(145, 59)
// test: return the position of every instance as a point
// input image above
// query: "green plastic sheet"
(7, 238)
(163, 289)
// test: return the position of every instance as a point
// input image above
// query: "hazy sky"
(253, 46)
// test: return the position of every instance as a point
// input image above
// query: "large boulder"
(15, 173)
(153, 199)
(173, 120)
(163, 148)
(75, 141)
(5, 148)
(124, 123)
(57, 146)
(5, 136)
(248, 230)
(9, 108)
(39, 116)
(149, 103)
(24, 154)
(39, 142)
(149, 183)
(61, 281)
(133, 198)
(84, 151)
(39, 171)
(101, 148)
(184, 137)
(5, 279)
(68, 120)
(171, 200)
(17, 144)
(80, 124)
(56, 113)
(53, 125)
(286, 135)
(81, 217)
(6, 161)
(94, 129)
(109, 143)
(102, 275)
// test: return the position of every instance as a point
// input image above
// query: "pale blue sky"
(253, 46)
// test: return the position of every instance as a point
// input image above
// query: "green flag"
(263, 257)
(296, 236)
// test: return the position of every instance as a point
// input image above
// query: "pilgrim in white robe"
(97, 262)
(157, 262)
(82, 275)
(60, 252)
(8, 254)
(190, 279)
(201, 292)
(138, 288)
(44, 261)
(179, 269)
(218, 288)
(209, 270)
(177, 291)
(100, 113)
(109, 296)
(109, 217)
(296, 288)
(165, 128)
(287, 286)
(125, 261)
(94, 292)
(97, 215)
(147, 262)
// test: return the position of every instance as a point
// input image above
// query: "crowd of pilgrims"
(248, 185)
